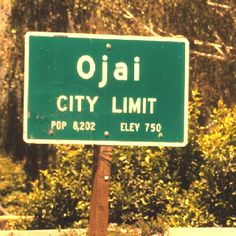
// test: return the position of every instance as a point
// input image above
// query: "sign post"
(98, 222)
(105, 90)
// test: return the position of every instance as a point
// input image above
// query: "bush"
(145, 190)
(61, 196)
(217, 186)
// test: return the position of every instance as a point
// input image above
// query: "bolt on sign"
(105, 90)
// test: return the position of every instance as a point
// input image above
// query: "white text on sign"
(120, 72)
(124, 105)
(129, 105)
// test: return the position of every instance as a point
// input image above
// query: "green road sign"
(106, 90)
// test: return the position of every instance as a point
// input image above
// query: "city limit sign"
(105, 90)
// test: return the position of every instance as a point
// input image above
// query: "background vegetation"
(150, 187)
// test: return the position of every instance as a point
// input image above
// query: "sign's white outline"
(104, 142)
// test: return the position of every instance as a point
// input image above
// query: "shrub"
(61, 196)
(144, 190)
(218, 173)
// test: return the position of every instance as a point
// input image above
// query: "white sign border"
(104, 142)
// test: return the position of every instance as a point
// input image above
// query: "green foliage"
(139, 187)
(61, 196)
(217, 188)
(145, 190)
(12, 187)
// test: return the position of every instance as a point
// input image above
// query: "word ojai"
(120, 72)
